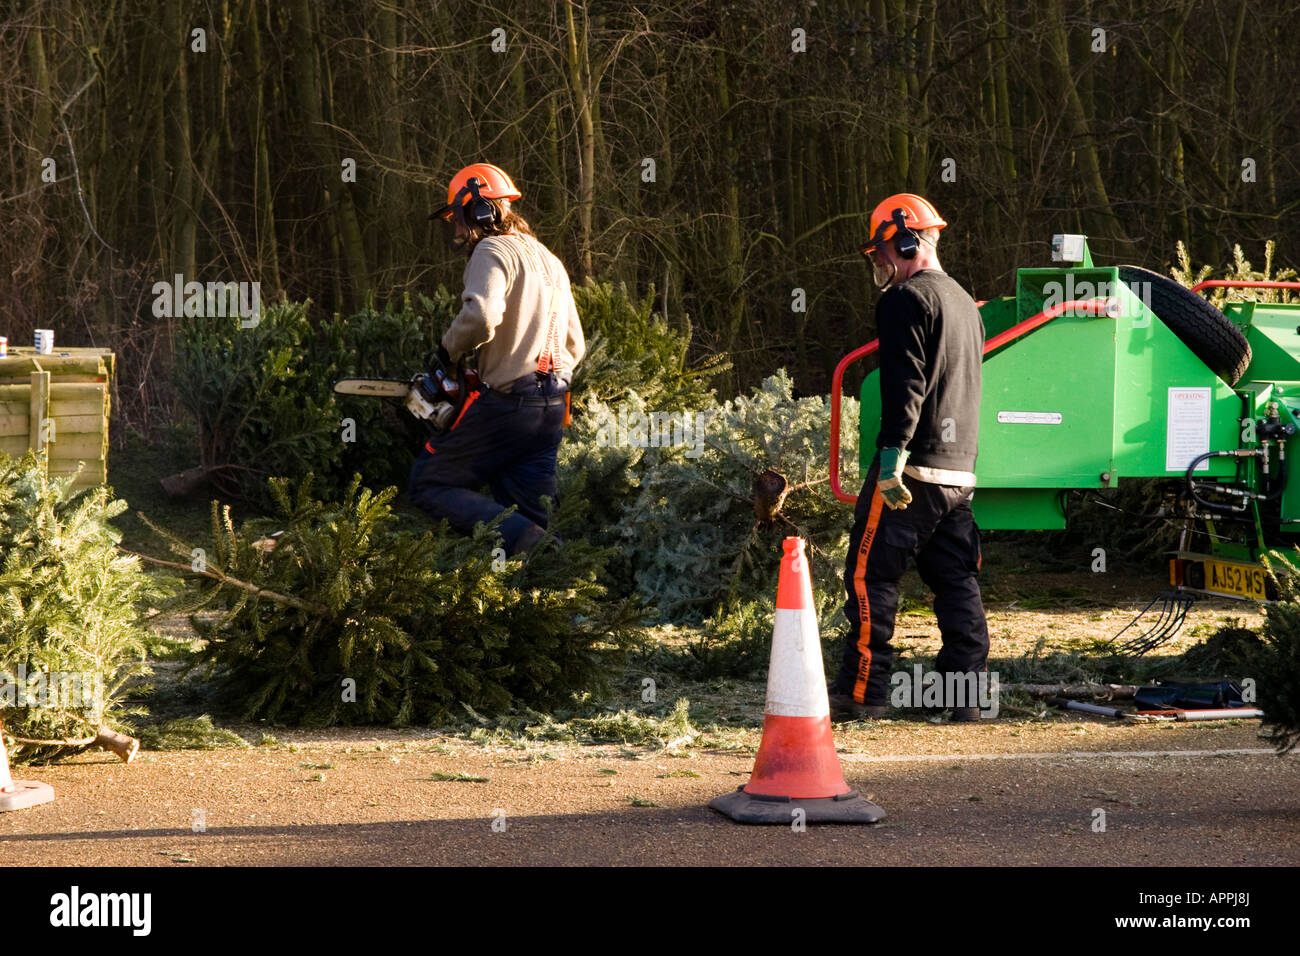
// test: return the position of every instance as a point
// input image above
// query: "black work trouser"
(938, 530)
(505, 439)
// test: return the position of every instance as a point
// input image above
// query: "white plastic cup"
(44, 341)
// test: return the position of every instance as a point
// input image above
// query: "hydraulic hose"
(1191, 483)
(1281, 475)
(1246, 496)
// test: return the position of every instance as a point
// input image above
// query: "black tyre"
(1200, 326)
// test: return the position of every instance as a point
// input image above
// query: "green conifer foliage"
(1279, 675)
(1241, 269)
(71, 607)
(635, 363)
(1275, 666)
(349, 616)
(696, 543)
(263, 399)
(632, 348)
(258, 409)
(372, 344)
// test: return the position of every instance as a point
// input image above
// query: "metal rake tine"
(1159, 632)
(1180, 604)
(1169, 621)
(1173, 613)
(1164, 619)
(1133, 623)
(1139, 645)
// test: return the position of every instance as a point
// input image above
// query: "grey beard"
(883, 277)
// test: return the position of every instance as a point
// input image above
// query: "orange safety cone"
(19, 794)
(796, 767)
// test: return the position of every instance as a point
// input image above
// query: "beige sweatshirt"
(517, 306)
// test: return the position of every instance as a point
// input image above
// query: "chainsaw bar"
(373, 387)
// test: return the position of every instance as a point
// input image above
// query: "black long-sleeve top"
(931, 349)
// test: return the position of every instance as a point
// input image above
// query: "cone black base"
(26, 793)
(851, 807)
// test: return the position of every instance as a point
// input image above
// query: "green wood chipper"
(1098, 375)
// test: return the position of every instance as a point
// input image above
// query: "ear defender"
(478, 211)
(906, 242)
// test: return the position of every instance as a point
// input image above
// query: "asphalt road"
(955, 795)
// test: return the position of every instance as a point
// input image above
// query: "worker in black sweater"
(915, 502)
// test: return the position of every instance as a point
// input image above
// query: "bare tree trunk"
(183, 201)
(1085, 143)
(1006, 142)
(1229, 139)
(345, 232)
(43, 113)
(730, 250)
(580, 88)
(923, 26)
(554, 163)
(267, 251)
(895, 21)
(348, 219)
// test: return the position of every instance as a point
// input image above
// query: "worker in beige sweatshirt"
(518, 313)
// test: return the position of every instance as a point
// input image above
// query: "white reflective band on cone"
(796, 680)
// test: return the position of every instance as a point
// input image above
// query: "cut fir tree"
(72, 634)
(347, 616)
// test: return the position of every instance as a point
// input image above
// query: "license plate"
(1239, 580)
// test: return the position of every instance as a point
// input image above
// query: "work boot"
(844, 707)
(531, 538)
(528, 540)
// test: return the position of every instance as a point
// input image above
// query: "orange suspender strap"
(551, 344)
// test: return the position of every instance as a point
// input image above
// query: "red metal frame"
(1075, 306)
(837, 384)
(1242, 284)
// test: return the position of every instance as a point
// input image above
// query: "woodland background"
(225, 164)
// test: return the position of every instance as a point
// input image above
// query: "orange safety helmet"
(908, 210)
(493, 183)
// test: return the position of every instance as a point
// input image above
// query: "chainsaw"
(434, 398)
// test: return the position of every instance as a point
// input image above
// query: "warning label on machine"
(1187, 432)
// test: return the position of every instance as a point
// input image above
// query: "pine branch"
(253, 589)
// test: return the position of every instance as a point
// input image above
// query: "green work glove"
(890, 480)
